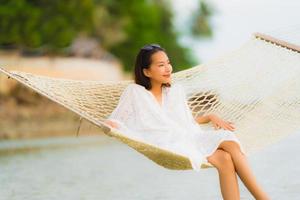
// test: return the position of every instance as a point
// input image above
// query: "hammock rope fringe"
(256, 87)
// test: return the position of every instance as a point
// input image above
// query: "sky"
(235, 21)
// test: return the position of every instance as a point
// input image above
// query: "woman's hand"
(111, 123)
(220, 123)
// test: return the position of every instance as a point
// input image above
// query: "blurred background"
(81, 39)
(40, 155)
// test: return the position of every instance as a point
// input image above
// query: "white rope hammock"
(256, 86)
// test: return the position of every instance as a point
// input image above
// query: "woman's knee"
(230, 146)
(221, 159)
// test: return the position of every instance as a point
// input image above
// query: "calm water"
(100, 167)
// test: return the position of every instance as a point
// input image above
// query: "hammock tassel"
(78, 128)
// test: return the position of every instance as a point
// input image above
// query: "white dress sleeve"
(124, 111)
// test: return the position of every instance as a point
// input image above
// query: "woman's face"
(160, 69)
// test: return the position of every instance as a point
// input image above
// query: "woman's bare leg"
(227, 175)
(243, 169)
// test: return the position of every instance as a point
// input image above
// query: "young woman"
(155, 110)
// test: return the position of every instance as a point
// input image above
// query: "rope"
(78, 128)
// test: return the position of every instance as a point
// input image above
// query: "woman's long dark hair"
(143, 61)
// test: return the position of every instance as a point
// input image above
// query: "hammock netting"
(257, 87)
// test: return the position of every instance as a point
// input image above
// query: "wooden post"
(268, 38)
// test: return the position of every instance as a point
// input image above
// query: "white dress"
(169, 126)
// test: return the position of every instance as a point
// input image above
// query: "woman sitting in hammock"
(155, 110)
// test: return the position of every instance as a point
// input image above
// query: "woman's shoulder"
(179, 88)
(127, 90)
(132, 87)
(176, 86)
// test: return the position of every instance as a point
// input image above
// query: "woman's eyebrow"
(163, 61)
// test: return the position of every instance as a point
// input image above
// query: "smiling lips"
(168, 75)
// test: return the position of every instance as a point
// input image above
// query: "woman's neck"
(156, 89)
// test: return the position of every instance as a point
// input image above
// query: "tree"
(43, 26)
(149, 22)
(121, 27)
(201, 26)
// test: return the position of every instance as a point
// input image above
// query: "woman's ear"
(146, 72)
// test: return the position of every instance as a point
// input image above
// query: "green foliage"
(43, 25)
(148, 22)
(122, 27)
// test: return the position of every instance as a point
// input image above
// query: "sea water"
(100, 167)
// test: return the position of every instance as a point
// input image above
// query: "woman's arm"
(203, 119)
(216, 121)
(124, 109)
